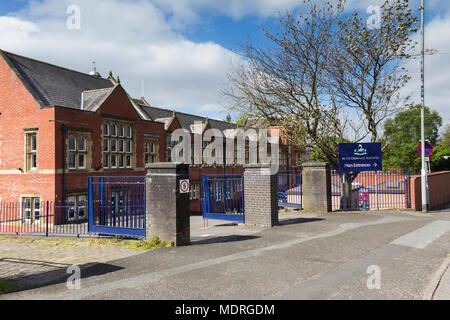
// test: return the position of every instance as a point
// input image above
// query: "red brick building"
(59, 126)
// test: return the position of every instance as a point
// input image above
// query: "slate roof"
(93, 99)
(53, 85)
(185, 119)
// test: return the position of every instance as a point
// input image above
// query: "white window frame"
(193, 191)
(118, 144)
(74, 143)
(77, 152)
(34, 210)
(106, 126)
(76, 203)
(31, 162)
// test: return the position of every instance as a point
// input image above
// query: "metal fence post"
(376, 189)
(46, 223)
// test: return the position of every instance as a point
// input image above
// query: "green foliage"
(228, 118)
(402, 136)
(438, 162)
(8, 287)
(445, 140)
(241, 120)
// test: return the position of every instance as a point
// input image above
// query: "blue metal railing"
(117, 206)
(372, 190)
(290, 193)
(223, 197)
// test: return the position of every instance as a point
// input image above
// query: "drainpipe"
(63, 131)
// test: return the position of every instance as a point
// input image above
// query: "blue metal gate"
(117, 206)
(290, 193)
(371, 190)
(223, 197)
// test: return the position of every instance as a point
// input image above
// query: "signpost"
(428, 149)
(356, 157)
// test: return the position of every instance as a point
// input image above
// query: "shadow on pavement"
(58, 275)
(224, 239)
(298, 221)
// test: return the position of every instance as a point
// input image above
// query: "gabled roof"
(185, 119)
(53, 85)
(93, 99)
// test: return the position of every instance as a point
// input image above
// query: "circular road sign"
(428, 149)
(184, 186)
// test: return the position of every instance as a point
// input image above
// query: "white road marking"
(422, 237)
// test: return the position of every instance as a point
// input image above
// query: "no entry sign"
(428, 149)
(184, 186)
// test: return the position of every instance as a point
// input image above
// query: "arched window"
(72, 143)
(81, 144)
(105, 129)
(113, 130)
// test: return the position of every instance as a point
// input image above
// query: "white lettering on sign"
(184, 186)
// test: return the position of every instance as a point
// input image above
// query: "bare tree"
(328, 78)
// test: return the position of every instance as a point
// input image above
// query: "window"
(105, 129)
(76, 208)
(193, 192)
(283, 157)
(31, 151)
(129, 162)
(31, 209)
(170, 145)
(151, 151)
(77, 151)
(298, 159)
(117, 152)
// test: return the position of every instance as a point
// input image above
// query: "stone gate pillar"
(260, 195)
(168, 213)
(316, 187)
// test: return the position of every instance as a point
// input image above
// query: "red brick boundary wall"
(439, 190)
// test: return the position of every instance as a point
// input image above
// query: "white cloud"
(437, 68)
(134, 40)
(188, 10)
(139, 40)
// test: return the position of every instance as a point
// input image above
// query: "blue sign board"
(356, 157)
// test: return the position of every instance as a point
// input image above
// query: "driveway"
(330, 256)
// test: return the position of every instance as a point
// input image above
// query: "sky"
(177, 53)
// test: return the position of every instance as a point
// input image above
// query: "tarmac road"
(309, 256)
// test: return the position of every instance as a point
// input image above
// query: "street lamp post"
(424, 173)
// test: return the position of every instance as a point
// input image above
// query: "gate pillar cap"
(257, 165)
(315, 164)
(165, 165)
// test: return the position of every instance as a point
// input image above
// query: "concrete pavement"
(439, 288)
(306, 257)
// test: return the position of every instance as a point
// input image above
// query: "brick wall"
(260, 196)
(19, 111)
(439, 190)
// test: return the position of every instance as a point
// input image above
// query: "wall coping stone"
(163, 165)
(257, 165)
(310, 164)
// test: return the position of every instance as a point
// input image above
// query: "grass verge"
(142, 244)
(7, 286)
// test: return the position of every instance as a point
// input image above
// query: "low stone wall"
(439, 190)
